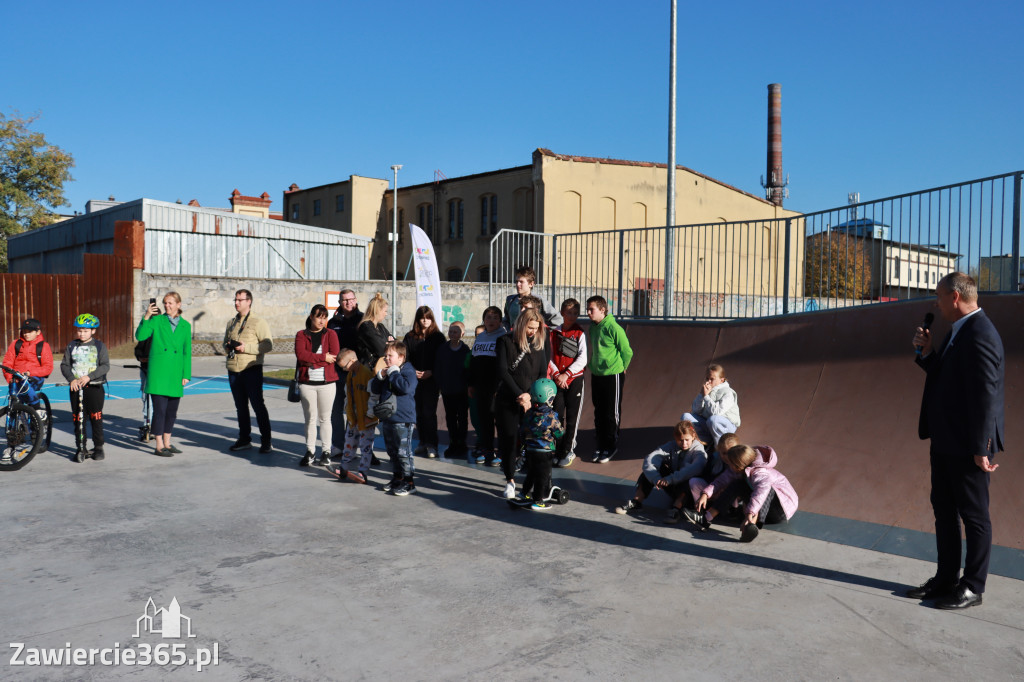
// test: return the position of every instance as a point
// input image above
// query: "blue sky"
(190, 100)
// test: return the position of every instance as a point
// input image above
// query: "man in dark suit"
(962, 414)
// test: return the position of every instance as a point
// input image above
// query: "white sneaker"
(510, 491)
(566, 461)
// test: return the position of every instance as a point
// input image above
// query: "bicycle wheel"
(47, 423)
(24, 435)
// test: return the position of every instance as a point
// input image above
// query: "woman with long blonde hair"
(523, 358)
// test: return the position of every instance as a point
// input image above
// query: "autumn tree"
(32, 177)
(837, 265)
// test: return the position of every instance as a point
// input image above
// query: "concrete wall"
(208, 305)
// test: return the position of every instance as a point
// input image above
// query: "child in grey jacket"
(670, 468)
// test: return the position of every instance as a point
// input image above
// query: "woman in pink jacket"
(750, 480)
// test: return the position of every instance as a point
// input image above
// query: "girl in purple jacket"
(750, 480)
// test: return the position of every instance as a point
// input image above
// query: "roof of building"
(644, 164)
(561, 157)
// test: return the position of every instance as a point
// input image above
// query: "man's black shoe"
(932, 589)
(961, 598)
(265, 448)
(241, 445)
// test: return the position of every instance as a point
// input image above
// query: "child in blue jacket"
(397, 417)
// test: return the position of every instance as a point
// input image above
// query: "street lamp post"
(670, 213)
(394, 247)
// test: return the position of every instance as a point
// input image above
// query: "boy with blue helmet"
(539, 432)
(85, 365)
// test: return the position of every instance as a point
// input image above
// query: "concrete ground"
(291, 575)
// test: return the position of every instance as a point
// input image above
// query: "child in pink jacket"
(751, 480)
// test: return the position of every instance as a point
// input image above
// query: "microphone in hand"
(928, 319)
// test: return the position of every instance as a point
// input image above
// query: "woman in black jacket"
(372, 336)
(422, 344)
(523, 358)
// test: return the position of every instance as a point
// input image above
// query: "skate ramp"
(836, 393)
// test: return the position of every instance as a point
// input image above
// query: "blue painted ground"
(129, 389)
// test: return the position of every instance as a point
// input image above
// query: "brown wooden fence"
(105, 290)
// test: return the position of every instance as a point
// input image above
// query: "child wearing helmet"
(539, 432)
(85, 365)
(29, 354)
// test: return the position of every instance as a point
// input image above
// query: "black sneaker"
(81, 454)
(607, 455)
(97, 453)
(749, 532)
(391, 485)
(597, 456)
(698, 519)
(265, 449)
(404, 488)
(307, 459)
(241, 444)
(631, 506)
(325, 459)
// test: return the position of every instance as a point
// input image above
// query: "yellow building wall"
(715, 257)
(512, 188)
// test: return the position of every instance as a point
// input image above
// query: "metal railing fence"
(895, 248)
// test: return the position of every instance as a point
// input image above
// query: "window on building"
(896, 268)
(488, 215)
(456, 218)
(295, 211)
(426, 219)
(454, 275)
(484, 274)
(339, 203)
(316, 207)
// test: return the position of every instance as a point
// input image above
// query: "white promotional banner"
(428, 282)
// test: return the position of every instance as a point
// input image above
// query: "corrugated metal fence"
(104, 290)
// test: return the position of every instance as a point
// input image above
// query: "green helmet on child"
(87, 321)
(543, 391)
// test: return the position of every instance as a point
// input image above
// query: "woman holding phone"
(170, 365)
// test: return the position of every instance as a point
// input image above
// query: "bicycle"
(27, 429)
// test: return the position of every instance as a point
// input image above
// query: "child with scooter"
(85, 365)
(539, 432)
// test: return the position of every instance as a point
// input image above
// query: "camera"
(230, 346)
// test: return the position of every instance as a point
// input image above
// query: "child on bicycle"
(85, 365)
(29, 354)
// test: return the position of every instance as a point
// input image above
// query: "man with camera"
(246, 340)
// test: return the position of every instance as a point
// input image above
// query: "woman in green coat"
(170, 366)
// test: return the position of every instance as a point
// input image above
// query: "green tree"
(32, 177)
(837, 266)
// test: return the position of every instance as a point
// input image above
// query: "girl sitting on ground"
(750, 481)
